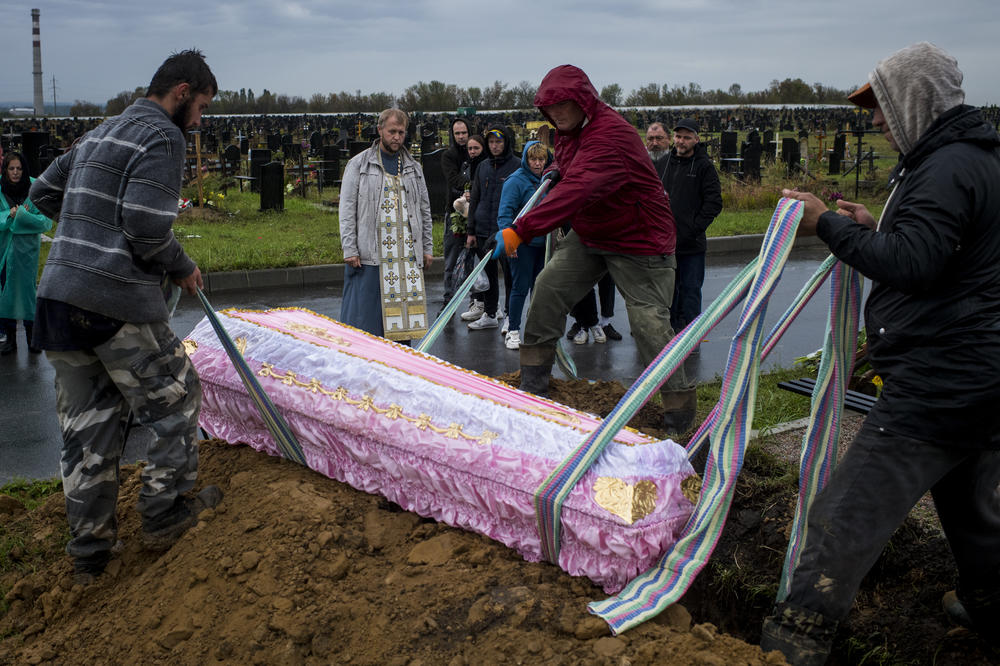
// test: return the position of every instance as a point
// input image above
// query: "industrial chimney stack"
(36, 44)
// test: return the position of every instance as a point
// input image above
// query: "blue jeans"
(524, 268)
(690, 277)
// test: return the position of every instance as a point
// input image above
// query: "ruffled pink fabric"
(497, 446)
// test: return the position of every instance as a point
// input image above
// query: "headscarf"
(14, 193)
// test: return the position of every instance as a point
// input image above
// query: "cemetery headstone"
(231, 159)
(355, 147)
(437, 186)
(790, 154)
(272, 186)
(273, 142)
(331, 165)
(770, 145)
(258, 158)
(31, 145)
(751, 151)
(837, 154)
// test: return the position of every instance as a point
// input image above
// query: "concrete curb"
(779, 428)
(333, 274)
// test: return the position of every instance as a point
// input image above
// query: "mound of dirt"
(295, 568)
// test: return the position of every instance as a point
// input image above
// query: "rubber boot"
(804, 637)
(535, 379)
(679, 410)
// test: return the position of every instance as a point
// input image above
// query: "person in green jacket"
(21, 227)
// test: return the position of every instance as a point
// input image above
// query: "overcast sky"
(97, 48)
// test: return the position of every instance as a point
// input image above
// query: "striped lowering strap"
(275, 422)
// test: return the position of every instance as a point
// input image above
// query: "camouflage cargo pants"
(143, 368)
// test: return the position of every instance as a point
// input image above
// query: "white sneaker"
(581, 337)
(597, 333)
(485, 321)
(513, 340)
(475, 312)
(506, 326)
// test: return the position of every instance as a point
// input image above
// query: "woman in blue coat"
(21, 227)
(530, 258)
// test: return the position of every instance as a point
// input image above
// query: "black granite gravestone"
(31, 145)
(837, 154)
(272, 186)
(231, 159)
(751, 151)
(330, 165)
(437, 186)
(274, 142)
(769, 145)
(258, 158)
(355, 147)
(790, 154)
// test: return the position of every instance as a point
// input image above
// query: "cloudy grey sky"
(97, 48)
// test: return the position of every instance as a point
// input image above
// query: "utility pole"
(54, 112)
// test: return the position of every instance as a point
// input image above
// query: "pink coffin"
(442, 441)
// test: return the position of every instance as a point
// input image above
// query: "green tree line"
(439, 96)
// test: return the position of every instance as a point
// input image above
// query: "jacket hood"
(568, 82)
(915, 86)
(508, 147)
(524, 156)
(962, 123)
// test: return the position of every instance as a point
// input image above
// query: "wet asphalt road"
(29, 432)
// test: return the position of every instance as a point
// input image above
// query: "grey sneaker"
(485, 321)
(164, 531)
(581, 337)
(475, 312)
(597, 333)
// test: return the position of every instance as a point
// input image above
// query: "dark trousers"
(9, 327)
(490, 297)
(585, 311)
(687, 290)
(452, 248)
(869, 494)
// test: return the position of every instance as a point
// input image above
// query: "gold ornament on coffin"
(190, 346)
(630, 502)
(691, 488)
(241, 345)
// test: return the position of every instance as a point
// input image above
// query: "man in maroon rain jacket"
(622, 225)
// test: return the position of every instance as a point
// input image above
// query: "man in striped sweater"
(102, 319)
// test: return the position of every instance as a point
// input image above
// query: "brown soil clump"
(295, 568)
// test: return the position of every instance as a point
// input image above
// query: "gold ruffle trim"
(367, 403)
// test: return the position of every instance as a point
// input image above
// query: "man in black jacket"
(691, 182)
(933, 320)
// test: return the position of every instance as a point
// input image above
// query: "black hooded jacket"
(484, 199)
(933, 315)
(692, 185)
(451, 163)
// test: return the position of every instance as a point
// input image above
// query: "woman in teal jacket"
(21, 226)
